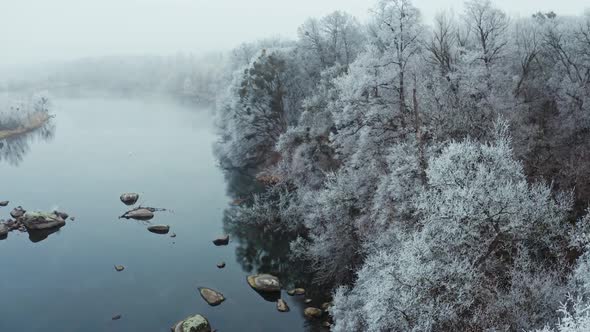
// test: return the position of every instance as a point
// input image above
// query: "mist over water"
(102, 147)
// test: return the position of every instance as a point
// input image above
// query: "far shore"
(34, 121)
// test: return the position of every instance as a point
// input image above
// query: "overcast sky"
(42, 30)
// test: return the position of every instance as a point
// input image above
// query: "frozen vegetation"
(23, 112)
(436, 177)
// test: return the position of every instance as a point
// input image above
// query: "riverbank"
(34, 121)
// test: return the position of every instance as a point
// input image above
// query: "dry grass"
(33, 121)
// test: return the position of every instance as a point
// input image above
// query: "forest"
(434, 177)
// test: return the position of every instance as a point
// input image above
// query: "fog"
(34, 31)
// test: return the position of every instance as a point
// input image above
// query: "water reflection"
(42, 234)
(241, 182)
(263, 250)
(13, 149)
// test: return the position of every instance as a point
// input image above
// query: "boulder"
(139, 214)
(62, 215)
(222, 241)
(296, 291)
(211, 296)
(159, 229)
(3, 230)
(282, 306)
(195, 323)
(327, 324)
(129, 198)
(312, 312)
(41, 221)
(4, 203)
(17, 212)
(308, 301)
(264, 283)
(326, 306)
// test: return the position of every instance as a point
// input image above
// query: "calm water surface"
(94, 150)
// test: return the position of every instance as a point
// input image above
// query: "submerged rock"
(129, 198)
(119, 268)
(116, 317)
(312, 312)
(264, 283)
(139, 214)
(4, 203)
(41, 220)
(282, 306)
(222, 241)
(17, 212)
(211, 296)
(221, 265)
(159, 229)
(296, 291)
(195, 323)
(173, 235)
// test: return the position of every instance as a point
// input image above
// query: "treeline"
(437, 176)
(187, 76)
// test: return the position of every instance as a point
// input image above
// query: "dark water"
(94, 150)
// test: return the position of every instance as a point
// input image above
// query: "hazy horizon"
(35, 31)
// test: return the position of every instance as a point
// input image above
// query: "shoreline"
(35, 121)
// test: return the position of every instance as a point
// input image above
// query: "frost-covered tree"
(333, 39)
(391, 171)
(257, 111)
(489, 250)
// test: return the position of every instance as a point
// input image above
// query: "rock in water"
(326, 325)
(139, 214)
(326, 306)
(129, 198)
(159, 229)
(222, 241)
(62, 215)
(119, 268)
(116, 317)
(4, 203)
(17, 212)
(41, 221)
(264, 283)
(196, 323)
(312, 312)
(210, 296)
(296, 291)
(221, 265)
(3, 230)
(307, 301)
(282, 306)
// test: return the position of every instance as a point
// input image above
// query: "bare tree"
(489, 25)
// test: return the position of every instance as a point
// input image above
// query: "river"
(94, 150)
